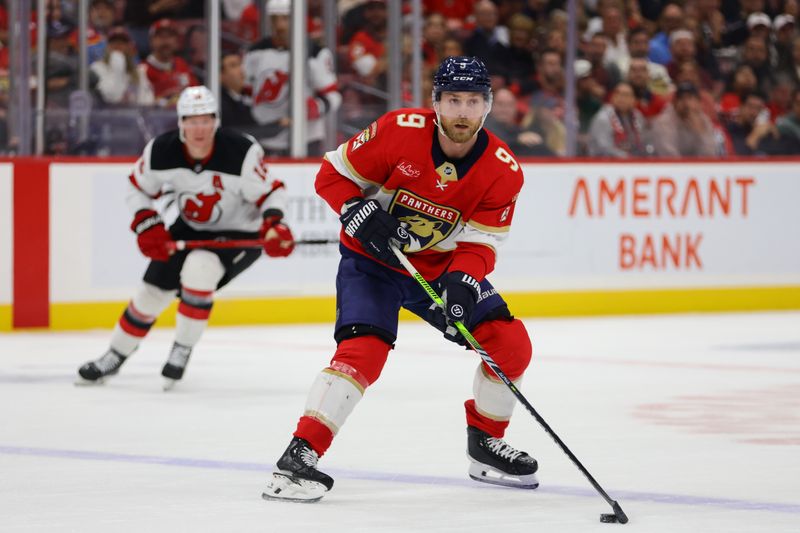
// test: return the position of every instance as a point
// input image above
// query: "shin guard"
(200, 275)
(509, 345)
(337, 389)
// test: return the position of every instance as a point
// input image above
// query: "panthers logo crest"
(427, 223)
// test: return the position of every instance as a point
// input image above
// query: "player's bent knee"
(365, 354)
(202, 270)
(508, 343)
(151, 300)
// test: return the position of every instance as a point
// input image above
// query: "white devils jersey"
(267, 74)
(228, 191)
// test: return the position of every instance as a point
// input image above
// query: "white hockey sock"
(193, 313)
(124, 343)
(138, 318)
(188, 330)
(493, 399)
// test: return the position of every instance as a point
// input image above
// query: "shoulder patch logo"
(364, 137)
(504, 214)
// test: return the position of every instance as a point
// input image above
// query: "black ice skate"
(95, 372)
(494, 461)
(298, 479)
(176, 365)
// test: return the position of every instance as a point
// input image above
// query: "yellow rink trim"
(253, 311)
(5, 318)
(624, 302)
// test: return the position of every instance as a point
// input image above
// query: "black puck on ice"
(608, 518)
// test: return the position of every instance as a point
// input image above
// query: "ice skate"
(494, 461)
(298, 479)
(95, 372)
(176, 365)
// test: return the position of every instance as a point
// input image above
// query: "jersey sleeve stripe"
(338, 159)
(489, 229)
(133, 181)
(329, 89)
(477, 236)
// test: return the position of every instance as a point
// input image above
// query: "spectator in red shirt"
(434, 32)
(367, 50)
(648, 102)
(167, 73)
(455, 11)
(742, 82)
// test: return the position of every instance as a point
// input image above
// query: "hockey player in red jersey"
(443, 189)
(222, 191)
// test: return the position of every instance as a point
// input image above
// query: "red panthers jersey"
(456, 212)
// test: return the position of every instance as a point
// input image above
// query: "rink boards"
(587, 238)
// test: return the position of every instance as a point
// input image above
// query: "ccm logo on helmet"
(463, 78)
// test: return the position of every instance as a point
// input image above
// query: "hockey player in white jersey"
(222, 191)
(267, 74)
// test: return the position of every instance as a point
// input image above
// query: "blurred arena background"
(659, 141)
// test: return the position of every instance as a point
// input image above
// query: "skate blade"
(288, 488)
(169, 384)
(83, 382)
(486, 474)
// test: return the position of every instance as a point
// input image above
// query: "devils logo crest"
(275, 83)
(201, 208)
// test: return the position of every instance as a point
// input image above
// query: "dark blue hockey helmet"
(461, 73)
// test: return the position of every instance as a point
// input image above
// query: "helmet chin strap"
(439, 118)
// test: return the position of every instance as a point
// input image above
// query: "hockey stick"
(618, 512)
(235, 243)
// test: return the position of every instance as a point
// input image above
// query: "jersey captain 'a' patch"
(427, 223)
(364, 137)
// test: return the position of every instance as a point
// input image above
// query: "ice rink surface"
(692, 422)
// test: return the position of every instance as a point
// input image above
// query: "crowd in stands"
(686, 78)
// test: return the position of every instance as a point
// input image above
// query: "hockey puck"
(608, 518)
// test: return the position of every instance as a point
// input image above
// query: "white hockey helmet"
(279, 7)
(193, 101)
(197, 100)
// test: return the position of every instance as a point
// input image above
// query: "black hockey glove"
(460, 294)
(375, 229)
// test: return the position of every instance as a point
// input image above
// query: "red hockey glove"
(277, 237)
(152, 236)
(314, 107)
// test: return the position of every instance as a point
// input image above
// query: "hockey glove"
(277, 237)
(460, 294)
(375, 229)
(152, 236)
(315, 107)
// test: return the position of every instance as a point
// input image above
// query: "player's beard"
(460, 135)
